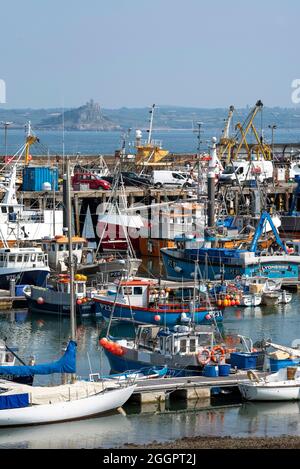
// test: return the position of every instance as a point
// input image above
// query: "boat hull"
(65, 411)
(36, 277)
(157, 316)
(86, 309)
(133, 359)
(180, 266)
(287, 392)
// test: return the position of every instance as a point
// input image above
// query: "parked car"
(91, 180)
(161, 178)
(130, 179)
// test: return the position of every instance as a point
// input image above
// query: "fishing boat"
(56, 299)
(185, 350)
(276, 297)
(220, 263)
(250, 299)
(19, 224)
(24, 265)
(138, 300)
(281, 386)
(26, 405)
(107, 267)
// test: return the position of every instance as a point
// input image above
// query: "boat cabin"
(188, 242)
(184, 340)
(63, 285)
(57, 250)
(22, 258)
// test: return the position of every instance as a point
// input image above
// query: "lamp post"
(5, 124)
(273, 127)
(199, 124)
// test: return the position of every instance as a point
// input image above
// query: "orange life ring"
(216, 352)
(201, 360)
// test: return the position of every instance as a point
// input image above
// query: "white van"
(243, 171)
(161, 178)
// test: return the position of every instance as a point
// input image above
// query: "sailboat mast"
(71, 263)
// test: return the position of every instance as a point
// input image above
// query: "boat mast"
(151, 124)
(71, 263)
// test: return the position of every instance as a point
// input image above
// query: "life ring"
(201, 360)
(253, 376)
(217, 353)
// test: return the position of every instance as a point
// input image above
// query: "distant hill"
(87, 117)
(92, 117)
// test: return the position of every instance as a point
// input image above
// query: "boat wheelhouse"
(27, 266)
(57, 250)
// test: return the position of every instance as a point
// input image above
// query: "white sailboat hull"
(276, 392)
(64, 411)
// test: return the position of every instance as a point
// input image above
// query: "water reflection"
(91, 433)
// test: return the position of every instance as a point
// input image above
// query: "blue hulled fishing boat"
(140, 301)
(197, 259)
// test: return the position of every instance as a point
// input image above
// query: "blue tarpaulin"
(66, 364)
(14, 401)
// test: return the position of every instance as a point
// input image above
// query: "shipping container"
(35, 176)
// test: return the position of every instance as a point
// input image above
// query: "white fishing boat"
(276, 297)
(24, 265)
(21, 224)
(281, 386)
(250, 299)
(26, 405)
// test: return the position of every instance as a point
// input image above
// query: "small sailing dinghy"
(27, 405)
(281, 386)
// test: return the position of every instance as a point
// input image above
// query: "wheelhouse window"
(26, 258)
(192, 345)
(12, 258)
(127, 290)
(183, 345)
(33, 257)
(138, 290)
(20, 258)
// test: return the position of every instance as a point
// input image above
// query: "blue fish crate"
(211, 371)
(243, 360)
(20, 290)
(276, 365)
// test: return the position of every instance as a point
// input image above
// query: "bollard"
(12, 287)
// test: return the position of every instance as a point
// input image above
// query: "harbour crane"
(230, 147)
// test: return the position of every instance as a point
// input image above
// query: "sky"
(133, 53)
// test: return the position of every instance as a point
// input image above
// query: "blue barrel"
(224, 370)
(211, 371)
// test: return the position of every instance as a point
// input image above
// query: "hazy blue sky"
(134, 53)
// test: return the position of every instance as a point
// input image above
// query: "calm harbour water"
(42, 336)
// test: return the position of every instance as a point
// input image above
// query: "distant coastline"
(91, 117)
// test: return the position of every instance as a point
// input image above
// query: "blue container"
(224, 370)
(276, 365)
(19, 290)
(243, 360)
(211, 371)
(35, 176)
